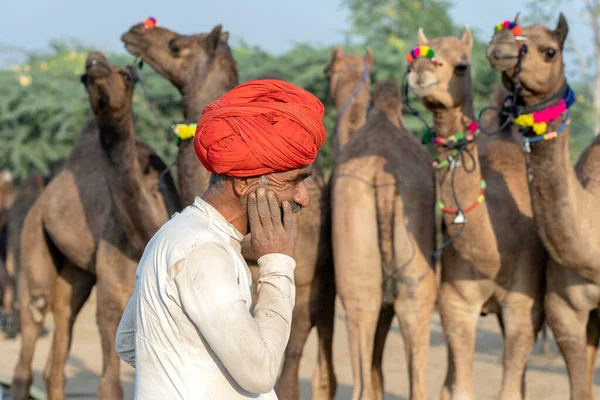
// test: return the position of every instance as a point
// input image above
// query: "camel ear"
(212, 40)
(467, 37)
(224, 37)
(369, 58)
(517, 20)
(421, 38)
(335, 54)
(562, 30)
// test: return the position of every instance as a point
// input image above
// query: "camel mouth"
(96, 65)
(502, 57)
(133, 43)
(425, 89)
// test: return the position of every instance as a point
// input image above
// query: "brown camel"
(202, 67)
(382, 262)
(563, 198)
(349, 79)
(495, 262)
(72, 236)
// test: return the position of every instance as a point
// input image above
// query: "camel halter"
(537, 116)
(458, 143)
(366, 73)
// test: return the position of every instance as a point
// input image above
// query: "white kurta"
(188, 329)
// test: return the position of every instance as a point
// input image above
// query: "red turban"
(260, 127)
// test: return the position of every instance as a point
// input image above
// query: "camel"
(494, 262)
(202, 68)
(21, 199)
(73, 236)
(349, 81)
(382, 262)
(562, 196)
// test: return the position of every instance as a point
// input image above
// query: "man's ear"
(243, 186)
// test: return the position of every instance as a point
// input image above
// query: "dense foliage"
(43, 104)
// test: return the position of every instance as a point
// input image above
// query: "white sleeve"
(251, 347)
(125, 338)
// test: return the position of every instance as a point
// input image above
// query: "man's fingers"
(288, 216)
(253, 213)
(274, 208)
(263, 208)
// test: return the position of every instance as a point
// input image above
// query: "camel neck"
(191, 175)
(351, 104)
(561, 205)
(136, 209)
(461, 185)
(203, 92)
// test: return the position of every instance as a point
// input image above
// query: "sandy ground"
(546, 376)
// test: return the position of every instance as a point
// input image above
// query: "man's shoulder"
(184, 231)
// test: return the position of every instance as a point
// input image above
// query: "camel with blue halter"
(564, 197)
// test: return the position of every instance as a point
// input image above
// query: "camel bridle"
(366, 73)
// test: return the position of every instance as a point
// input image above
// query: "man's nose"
(301, 195)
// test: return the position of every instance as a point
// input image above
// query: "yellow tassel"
(539, 128)
(524, 120)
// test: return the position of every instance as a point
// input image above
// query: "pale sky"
(275, 25)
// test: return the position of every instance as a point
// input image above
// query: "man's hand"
(269, 233)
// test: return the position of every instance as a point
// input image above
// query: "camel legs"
(72, 289)
(570, 330)
(414, 307)
(521, 321)
(593, 336)
(386, 316)
(287, 385)
(459, 319)
(324, 383)
(362, 325)
(35, 290)
(116, 280)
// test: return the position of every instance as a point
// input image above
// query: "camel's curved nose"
(96, 64)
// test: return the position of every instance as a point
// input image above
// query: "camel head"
(441, 78)
(542, 67)
(110, 89)
(345, 72)
(185, 60)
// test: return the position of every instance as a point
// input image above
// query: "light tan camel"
(202, 67)
(72, 236)
(349, 81)
(496, 261)
(563, 197)
(383, 235)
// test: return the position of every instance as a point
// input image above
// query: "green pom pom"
(427, 137)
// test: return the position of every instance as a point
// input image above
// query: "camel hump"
(387, 96)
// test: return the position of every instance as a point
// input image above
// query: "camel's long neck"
(351, 109)
(463, 180)
(192, 176)
(563, 209)
(139, 213)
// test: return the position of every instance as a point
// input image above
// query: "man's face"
(288, 186)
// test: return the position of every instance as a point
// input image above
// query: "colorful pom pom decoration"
(149, 24)
(516, 29)
(420, 51)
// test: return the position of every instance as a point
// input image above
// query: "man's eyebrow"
(300, 177)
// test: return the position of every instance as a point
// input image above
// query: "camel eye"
(173, 47)
(461, 69)
(549, 54)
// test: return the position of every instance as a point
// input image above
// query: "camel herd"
(518, 220)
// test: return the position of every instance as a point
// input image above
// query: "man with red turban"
(188, 328)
